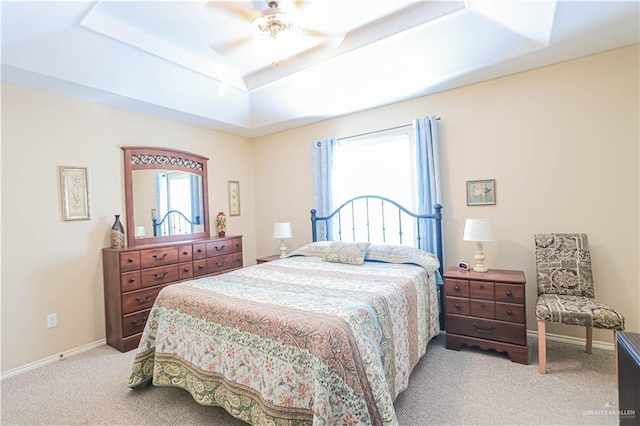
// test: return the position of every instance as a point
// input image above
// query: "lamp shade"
(282, 230)
(478, 230)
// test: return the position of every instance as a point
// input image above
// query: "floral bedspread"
(295, 341)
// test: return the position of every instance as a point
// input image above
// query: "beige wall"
(561, 142)
(49, 265)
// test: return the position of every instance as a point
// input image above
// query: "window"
(380, 163)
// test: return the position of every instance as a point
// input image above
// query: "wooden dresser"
(133, 277)
(488, 310)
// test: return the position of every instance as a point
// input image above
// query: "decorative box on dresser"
(133, 277)
(488, 310)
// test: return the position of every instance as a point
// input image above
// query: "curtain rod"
(377, 131)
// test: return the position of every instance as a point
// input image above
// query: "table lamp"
(282, 230)
(479, 230)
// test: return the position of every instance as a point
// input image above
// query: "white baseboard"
(52, 359)
(574, 340)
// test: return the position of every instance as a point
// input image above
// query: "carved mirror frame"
(155, 158)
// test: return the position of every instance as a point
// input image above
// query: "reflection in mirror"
(170, 187)
(167, 202)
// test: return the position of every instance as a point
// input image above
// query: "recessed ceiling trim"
(98, 21)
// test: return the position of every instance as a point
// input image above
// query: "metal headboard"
(392, 220)
(174, 223)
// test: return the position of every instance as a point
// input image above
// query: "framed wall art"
(234, 198)
(74, 185)
(481, 192)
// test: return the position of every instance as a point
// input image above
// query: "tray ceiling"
(199, 62)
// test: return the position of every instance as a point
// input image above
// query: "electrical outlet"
(52, 320)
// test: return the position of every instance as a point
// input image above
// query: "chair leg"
(542, 348)
(615, 350)
(589, 339)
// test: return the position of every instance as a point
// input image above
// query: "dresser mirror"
(166, 195)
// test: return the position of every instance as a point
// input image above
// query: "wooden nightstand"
(486, 309)
(267, 258)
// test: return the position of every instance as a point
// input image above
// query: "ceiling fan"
(273, 24)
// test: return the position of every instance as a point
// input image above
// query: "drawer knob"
(509, 293)
(155, 256)
(456, 287)
(200, 266)
(185, 270)
(185, 253)
(458, 305)
(130, 260)
(132, 280)
(199, 250)
(481, 285)
(509, 312)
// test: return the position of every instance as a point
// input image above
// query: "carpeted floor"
(447, 387)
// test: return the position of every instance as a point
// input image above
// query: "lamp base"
(283, 250)
(479, 257)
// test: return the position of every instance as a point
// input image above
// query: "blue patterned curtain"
(429, 192)
(322, 153)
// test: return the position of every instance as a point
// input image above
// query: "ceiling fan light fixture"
(274, 24)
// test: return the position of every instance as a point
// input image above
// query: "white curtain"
(322, 153)
(429, 192)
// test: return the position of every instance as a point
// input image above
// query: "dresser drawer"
(482, 308)
(510, 312)
(481, 290)
(457, 305)
(510, 293)
(458, 288)
(199, 267)
(219, 263)
(161, 275)
(134, 323)
(185, 253)
(139, 300)
(129, 261)
(487, 329)
(157, 257)
(218, 248)
(185, 270)
(199, 251)
(130, 281)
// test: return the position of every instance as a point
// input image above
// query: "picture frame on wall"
(74, 187)
(234, 198)
(481, 192)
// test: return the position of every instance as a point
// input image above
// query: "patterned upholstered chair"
(565, 290)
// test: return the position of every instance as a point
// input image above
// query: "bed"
(328, 335)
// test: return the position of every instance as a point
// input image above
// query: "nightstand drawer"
(457, 305)
(481, 290)
(510, 293)
(458, 288)
(482, 308)
(487, 329)
(510, 312)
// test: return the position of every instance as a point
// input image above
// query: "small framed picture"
(74, 185)
(234, 198)
(481, 192)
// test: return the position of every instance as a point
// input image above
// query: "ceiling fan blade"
(231, 8)
(224, 48)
